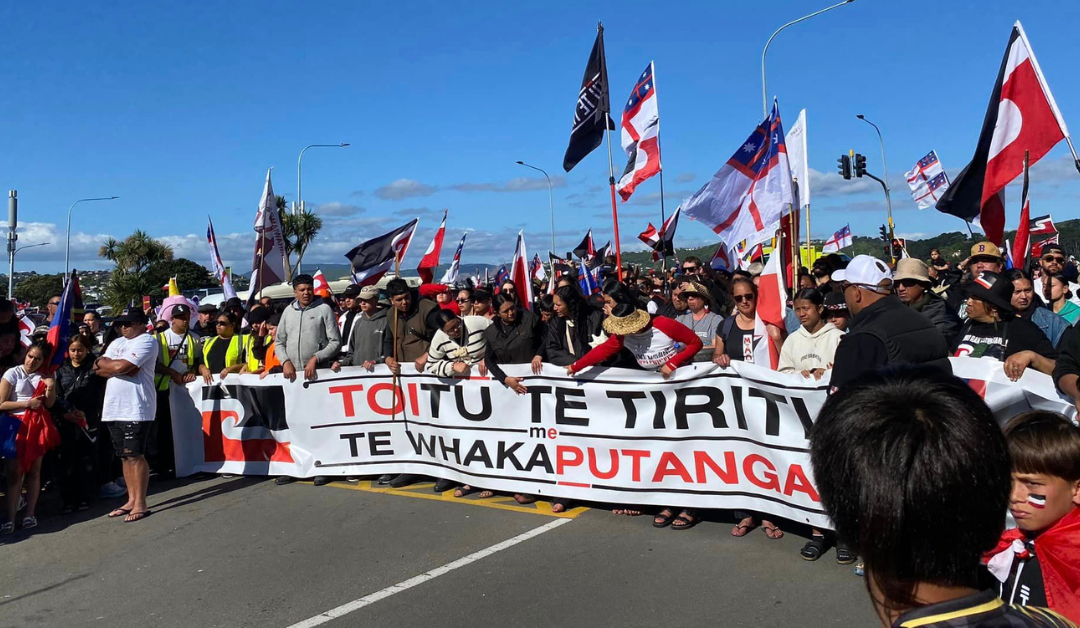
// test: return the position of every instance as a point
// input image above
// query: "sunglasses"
(463, 300)
(739, 298)
(689, 269)
(126, 323)
(1054, 258)
(909, 283)
(222, 323)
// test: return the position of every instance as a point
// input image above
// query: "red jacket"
(653, 347)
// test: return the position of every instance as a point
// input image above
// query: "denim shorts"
(130, 438)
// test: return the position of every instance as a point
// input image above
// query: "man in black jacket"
(883, 331)
(912, 279)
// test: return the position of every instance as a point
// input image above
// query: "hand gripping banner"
(707, 438)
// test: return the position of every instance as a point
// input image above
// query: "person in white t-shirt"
(130, 405)
(17, 390)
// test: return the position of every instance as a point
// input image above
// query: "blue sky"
(179, 109)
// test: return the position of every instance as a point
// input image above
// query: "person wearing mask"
(1057, 296)
(920, 447)
(179, 357)
(993, 331)
(1026, 307)
(129, 406)
(206, 327)
(351, 303)
(406, 341)
(700, 318)
(227, 352)
(883, 331)
(836, 311)
(912, 282)
(368, 332)
(80, 395)
(26, 393)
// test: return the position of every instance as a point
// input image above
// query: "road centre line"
(367, 600)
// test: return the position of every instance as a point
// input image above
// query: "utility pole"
(13, 223)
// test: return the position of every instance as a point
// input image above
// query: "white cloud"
(518, 184)
(404, 188)
(338, 208)
(685, 177)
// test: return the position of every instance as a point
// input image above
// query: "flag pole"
(605, 110)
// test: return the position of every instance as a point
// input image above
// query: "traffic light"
(860, 165)
(844, 165)
(884, 233)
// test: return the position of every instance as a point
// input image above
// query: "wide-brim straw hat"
(699, 290)
(629, 324)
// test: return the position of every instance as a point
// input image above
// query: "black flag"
(593, 106)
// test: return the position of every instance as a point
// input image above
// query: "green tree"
(189, 275)
(37, 289)
(299, 231)
(133, 257)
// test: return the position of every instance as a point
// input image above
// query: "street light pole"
(67, 245)
(299, 205)
(551, 201)
(764, 91)
(11, 271)
(885, 170)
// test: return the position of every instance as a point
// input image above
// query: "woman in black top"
(80, 395)
(574, 328)
(514, 337)
(992, 330)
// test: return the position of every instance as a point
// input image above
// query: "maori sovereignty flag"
(1022, 116)
(593, 105)
(370, 260)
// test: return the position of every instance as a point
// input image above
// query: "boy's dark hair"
(913, 469)
(397, 286)
(300, 280)
(1046, 443)
(546, 303)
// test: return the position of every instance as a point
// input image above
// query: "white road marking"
(367, 600)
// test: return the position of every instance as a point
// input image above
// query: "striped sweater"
(445, 351)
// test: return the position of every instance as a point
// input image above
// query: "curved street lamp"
(11, 278)
(67, 245)
(551, 202)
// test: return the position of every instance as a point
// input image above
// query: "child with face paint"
(1037, 562)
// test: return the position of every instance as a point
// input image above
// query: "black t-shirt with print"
(1001, 340)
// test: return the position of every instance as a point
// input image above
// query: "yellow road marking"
(423, 491)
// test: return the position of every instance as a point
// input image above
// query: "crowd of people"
(109, 399)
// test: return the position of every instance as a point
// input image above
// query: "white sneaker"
(112, 489)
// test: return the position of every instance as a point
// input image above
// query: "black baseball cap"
(181, 310)
(131, 315)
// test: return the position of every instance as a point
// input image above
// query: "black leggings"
(78, 465)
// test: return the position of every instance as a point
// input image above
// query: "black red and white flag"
(586, 251)
(520, 273)
(1022, 116)
(591, 112)
(370, 260)
(640, 134)
(1022, 241)
(1043, 225)
(662, 241)
(430, 261)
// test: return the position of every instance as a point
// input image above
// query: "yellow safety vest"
(161, 380)
(238, 343)
(253, 362)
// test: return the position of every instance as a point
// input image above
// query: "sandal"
(813, 549)
(742, 529)
(524, 500)
(844, 554)
(484, 494)
(137, 516)
(119, 512)
(662, 520)
(465, 491)
(29, 522)
(83, 506)
(8, 527)
(559, 505)
(67, 509)
(772, 532)
(686, 520)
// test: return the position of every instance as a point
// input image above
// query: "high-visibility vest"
(237, 344)
(271, 356)
(252, 361)
(161, 380)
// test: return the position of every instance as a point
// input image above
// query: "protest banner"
(707, 438)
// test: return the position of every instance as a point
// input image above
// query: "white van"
(283, 291)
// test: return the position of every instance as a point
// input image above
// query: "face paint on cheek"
(1037, 501)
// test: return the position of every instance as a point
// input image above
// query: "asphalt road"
(244, 552)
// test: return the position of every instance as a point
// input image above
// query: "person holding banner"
(226, 352)
(575, 329)
(458, 344)
(514, 337)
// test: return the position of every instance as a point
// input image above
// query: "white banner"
(707, 438)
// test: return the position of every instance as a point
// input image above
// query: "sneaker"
(113, 490)
(284, 479)
(228, 476)
(386, 479)
(442, 485)
(353, 479)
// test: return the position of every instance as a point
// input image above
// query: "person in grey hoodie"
(307, 336)
(365, 346)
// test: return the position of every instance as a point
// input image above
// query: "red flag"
(37, 433)
(430, 261)
(1022, 242)
(321, 287)
(519, 273)
(771, 301)
(1022, 116)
